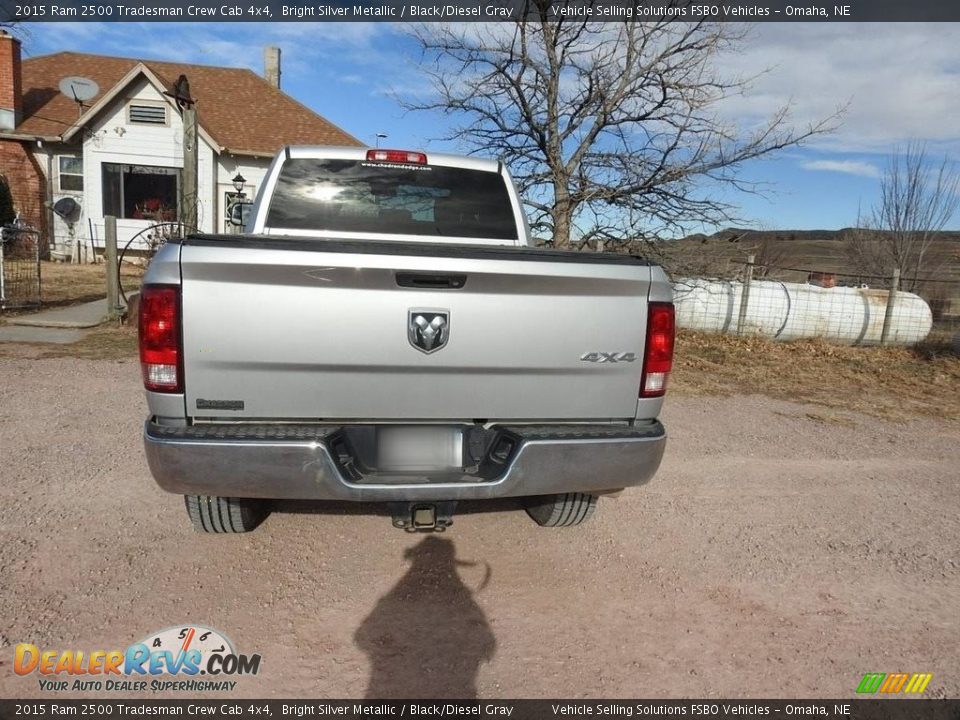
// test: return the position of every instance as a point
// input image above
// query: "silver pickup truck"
(384, 332)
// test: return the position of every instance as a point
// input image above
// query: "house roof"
(238, 109)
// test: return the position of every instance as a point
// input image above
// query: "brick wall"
(26, 182)
(11, 93)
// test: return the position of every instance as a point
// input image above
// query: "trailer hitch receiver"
(422, 516)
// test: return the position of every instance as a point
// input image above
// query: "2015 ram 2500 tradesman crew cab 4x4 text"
(384, 332)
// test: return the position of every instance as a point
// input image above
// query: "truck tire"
(212, 514)
(561, 510)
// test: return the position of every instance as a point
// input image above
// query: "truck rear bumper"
(305, 462)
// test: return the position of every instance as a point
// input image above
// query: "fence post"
(113, 275)
(3, 272)
(891, 302)
(745, 295)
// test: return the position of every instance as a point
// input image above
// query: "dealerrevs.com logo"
(188, 658)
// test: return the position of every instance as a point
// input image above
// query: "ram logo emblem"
(428, 329)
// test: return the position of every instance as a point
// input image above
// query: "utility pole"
(188, 181)
(189, 199)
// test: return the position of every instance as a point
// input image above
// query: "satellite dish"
(79, 89)
(68, 209)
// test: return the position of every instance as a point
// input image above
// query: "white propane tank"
(790, 311)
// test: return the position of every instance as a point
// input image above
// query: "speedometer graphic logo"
(183, 639)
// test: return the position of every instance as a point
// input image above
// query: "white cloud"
(851, 167)
(898, 80)
(305, 45)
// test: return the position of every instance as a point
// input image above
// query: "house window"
(71, 173)
(140, 192)
(148, 114)
(229, 198)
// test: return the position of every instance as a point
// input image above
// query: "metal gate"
(19, 267)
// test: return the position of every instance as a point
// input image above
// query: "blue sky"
(899, 82)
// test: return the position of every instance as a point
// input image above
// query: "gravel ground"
(782, 550)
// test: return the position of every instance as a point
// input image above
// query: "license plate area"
(418, 448)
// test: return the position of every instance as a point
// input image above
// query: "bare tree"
(917, 200)
(771, 254)
(609, 128)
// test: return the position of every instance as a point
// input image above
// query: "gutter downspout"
(48, 193)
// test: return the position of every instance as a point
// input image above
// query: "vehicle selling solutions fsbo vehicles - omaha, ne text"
(383, 331)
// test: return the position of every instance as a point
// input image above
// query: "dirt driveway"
(784, 550)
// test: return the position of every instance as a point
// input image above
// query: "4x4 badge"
(608, 357)
(428, 329)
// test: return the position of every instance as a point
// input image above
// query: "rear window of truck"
(376, 197)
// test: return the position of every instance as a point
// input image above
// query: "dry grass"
(107, 342)
(883, 382)
(67, 284)
(104, 343)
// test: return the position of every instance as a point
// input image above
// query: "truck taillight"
(658, 354)
(161, 358)
(397, 156)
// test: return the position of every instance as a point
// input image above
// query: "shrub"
(6, 203)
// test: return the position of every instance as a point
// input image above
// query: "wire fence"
(19, 267)
(795, 303)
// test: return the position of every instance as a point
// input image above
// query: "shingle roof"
(240, 110)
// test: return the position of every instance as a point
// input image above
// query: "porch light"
(238, 182)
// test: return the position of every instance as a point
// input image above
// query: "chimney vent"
(271, 65)
(11, 90)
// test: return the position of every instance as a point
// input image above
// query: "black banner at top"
(295, 709)
(478, 10)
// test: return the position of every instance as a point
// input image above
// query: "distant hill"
(818, 250)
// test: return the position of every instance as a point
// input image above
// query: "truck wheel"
(561, 510)
(212, 514)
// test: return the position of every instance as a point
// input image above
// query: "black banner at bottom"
(844, 709)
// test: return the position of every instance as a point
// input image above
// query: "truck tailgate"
(316, 329)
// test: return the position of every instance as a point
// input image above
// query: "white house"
(120, 151)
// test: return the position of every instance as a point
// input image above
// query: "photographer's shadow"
(427, 637)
